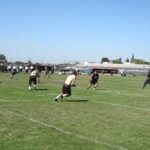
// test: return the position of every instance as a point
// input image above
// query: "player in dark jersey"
(47, 72)
(94, 77)
(147, 81)
(13, 71)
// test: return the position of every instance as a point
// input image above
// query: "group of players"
(69, 82)
(94, 77)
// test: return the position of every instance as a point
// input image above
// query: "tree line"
(119, 60)
(134, 60)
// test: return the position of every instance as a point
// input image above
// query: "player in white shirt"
(34, 76)
(13, 71)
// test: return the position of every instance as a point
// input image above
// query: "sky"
(58, 31)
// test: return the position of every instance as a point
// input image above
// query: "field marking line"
(118, 105)
(124, 106)
(79, 136)
(4, 100)
(95, 101)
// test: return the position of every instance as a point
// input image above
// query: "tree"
(29, 62)
(105, 59)
(132, 59)
(140, 61)
(19, 62)
(120, 60)
(127, 60)
(117, 61)
(3, 58)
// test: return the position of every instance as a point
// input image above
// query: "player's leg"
(34, 82)
(30, 82)
(57, 97)
(95, 85)
(90, 84)
(12, 74)
(145, 83)
(60, 95)
(49, 76)
(66, 91)
(148, 81)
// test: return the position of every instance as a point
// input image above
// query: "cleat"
(56, 99)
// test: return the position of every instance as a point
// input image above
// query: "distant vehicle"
(134, 72)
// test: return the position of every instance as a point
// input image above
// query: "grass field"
(115, 116)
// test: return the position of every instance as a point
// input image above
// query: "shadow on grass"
(77, 100)
(40, 89)
(101, 89)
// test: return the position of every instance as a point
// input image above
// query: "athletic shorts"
(66, 89)
(93, 82)
(13, 73)
(47, 72)
(32, 79)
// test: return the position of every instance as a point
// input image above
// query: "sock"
(58, 96)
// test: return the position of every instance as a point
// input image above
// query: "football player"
(147, 81)
(34, 78)
(94, 77)
(66, 89)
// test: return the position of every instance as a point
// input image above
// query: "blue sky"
(60, 31)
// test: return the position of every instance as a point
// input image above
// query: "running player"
(94, 77)
(147, 81)
(66, 89)
(34, 77)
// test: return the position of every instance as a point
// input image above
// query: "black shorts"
(47, 72)
(66, 89)
(32, 79)
(93, 82)
(13, 73)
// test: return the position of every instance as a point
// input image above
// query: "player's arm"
(91, 76)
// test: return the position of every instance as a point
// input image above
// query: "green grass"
(116, 116)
